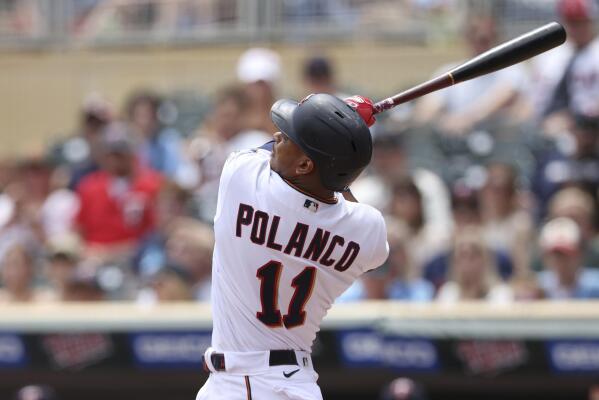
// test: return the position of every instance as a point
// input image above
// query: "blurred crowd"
(489, 188)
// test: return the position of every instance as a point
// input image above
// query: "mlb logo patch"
(310, 205)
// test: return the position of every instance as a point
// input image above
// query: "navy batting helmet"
(330, 132)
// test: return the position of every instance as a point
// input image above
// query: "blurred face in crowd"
(119, 163)
(465, 211)
(260, 94)
(586, 142)
(227, 119)
(187, 250)
(35, 177)
(144, 118)
(170, 287)
(82, 291)
(497, 195)
(388, 161)
(565, 264)
(172, 203)
(398, 260)
(469, 263)
(407, 206)
(60, 269)
(581, 31)
(582, 217)
(481, 34)
(92, 132)
(17, 271)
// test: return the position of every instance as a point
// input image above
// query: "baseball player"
(288, 243)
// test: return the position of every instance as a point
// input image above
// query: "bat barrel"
(517, 50)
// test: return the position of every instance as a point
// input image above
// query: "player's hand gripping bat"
(507, 54)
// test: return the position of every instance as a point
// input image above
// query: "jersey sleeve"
(380, 246)
(233, 164)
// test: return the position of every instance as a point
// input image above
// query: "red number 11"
(303, 283)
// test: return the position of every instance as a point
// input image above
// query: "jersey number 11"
(303, 283)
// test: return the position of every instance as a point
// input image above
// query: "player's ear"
(304, 166)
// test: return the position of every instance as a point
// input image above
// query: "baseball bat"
(504, 55)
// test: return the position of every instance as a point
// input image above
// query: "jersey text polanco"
(282, 257)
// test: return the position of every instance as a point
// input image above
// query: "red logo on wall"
(491, 357)
(76, 351)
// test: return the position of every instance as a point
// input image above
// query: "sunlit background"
(116, 117)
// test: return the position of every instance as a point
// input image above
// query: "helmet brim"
(281, 114)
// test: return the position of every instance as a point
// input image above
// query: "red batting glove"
(364, 107)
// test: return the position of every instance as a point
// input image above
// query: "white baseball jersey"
(549, 68)
(281, 257)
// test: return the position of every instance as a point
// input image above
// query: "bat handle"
(427, 87)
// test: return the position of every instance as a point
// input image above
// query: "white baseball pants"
(248, 376)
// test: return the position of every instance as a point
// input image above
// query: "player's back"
(282, 257)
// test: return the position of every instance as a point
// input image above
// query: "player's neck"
(312, 188)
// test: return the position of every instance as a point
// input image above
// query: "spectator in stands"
(189, 246)
(466, 214)
(564, 276)
(566, 79)
(83, 285)
(424, 237)
(64, 254)
(459, 109)
(465, 206)
(389, 163)
(259, 69)
(173, 206)
(82, 152)
(17, 276)
(59, 210)
(577, 204)
(170, 283)
(473, 273)
(574, 164)
(157, 147)
(404, 283)
(395, 279)
(22, 201)
(507, 227)
(318, 76)
(221, 133)
(118, 203)
(20, 222)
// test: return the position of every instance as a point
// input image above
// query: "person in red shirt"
(118, 202)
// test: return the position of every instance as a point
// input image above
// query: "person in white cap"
(259, 70)
(564, 276)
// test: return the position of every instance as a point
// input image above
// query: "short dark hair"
(318, 68)
(141, 97)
